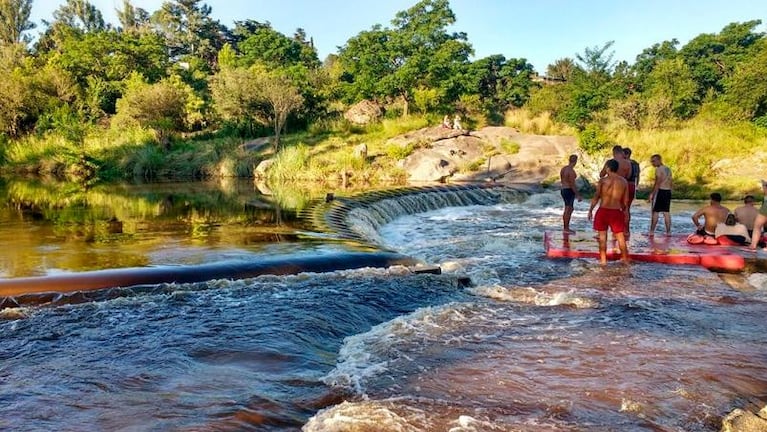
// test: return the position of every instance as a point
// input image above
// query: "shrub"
(509, 147)
(397, 152)
(593, 140)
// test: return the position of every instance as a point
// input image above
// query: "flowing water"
(533, 344)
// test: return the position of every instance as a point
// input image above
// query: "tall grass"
(704, 156)
(541, 124)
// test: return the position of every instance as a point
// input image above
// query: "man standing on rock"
(569, 191)
(613, 197)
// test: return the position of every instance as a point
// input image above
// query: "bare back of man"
(614, 192)
(567, 176)
(712, 215)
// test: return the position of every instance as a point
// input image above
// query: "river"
(531, 344)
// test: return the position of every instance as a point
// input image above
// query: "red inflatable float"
(662, 249)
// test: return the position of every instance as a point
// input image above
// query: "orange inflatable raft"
(674, 249)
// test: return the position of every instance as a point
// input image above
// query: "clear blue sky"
(541, 31)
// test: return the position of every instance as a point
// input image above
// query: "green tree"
(189, 29)
(649, 57)
(516, 83)
(712, 57)
(80, 15)
(500, 83)
(159, 106)
(590, 86)
(14, 21)
(283, 98)
(255, 95)
(19, 103)
(562, 69)
(236, 97)
(417, 53)
(72, 19)
(268, 46)
(133, 19)
(100, 61)
(746, 88)
(597, 61)
(671, 80)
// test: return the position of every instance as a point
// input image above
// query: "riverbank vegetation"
(174, 94)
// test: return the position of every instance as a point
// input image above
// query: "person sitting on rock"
(457, 122)
(446, 122)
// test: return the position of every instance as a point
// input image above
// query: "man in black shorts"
(660, 197)
(569, 191)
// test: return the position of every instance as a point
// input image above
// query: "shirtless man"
(569, 191)
(633, 180)
(624, 165)
(746, 214)
(613, 197)
(713, 214)
(660, 197)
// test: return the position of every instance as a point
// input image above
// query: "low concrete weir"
(125, 277)
(358, 218)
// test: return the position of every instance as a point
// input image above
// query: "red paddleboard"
(660, 248)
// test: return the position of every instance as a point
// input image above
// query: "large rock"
(443, 158)
(364, 112)
(743, 421)
(262, 168)
(425, 136)
(442, 153)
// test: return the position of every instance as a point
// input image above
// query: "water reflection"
(53, 227)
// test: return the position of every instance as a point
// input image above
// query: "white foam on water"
(399, 415)
(466, 423)
(365, 355)
(758, 281)
(531, 296)
(364, 416)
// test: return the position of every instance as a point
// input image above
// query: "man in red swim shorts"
(613, 198)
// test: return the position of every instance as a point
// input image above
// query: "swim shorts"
(632, 192)
(568, 196)
(614, 218)
(662, 203)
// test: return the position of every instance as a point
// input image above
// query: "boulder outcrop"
(364, 112)
(491, 153)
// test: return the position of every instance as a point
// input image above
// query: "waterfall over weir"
(359, 218)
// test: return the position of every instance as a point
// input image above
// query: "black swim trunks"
(568, 196)
(662, 203)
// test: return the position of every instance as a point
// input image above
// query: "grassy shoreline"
(704, 156)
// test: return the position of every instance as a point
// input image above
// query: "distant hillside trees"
(196, 74)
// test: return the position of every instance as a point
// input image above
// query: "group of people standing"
(616, 191)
